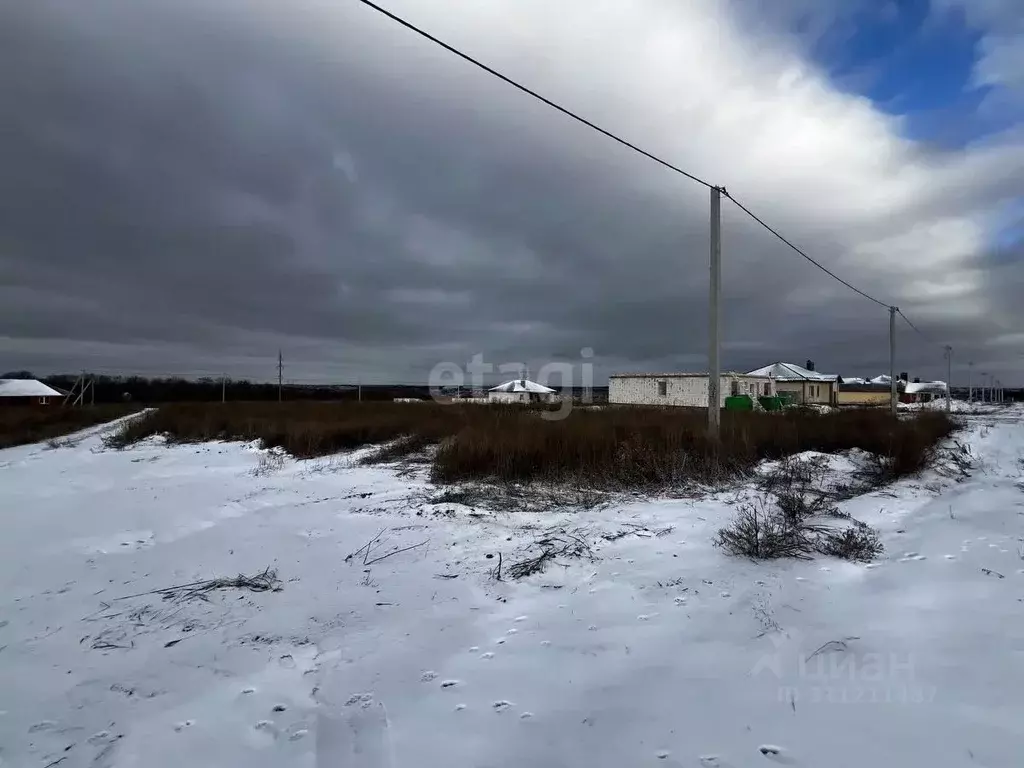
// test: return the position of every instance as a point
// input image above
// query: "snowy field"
(660, 650)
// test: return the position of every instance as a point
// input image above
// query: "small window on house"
(735, 391)
(662, 388)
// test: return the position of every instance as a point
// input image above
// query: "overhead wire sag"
(530, 92)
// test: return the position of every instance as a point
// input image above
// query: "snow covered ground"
(659, 651)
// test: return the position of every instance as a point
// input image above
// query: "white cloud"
(695, 84)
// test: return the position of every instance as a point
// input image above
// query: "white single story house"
(803, 383)
(521, 391)
(28, 392)
(685, 389)
(923, 391)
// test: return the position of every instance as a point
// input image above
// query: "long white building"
(687, 389)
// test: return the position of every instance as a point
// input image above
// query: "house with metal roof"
(802, 384)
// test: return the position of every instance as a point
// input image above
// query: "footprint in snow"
(776, 754)
(592, 627)
(520, 619)
(184, 724)
(364, 700)
(662, 754)
(449, 683)
(487, 655)
(297, 734)
(428, 676)
(526, 715)
(500, 641)
(474, 649)
(512, 631)
(267, 726)
(248, 690)
(459, 707)
(726, 594)
(501, 705)
(950, 557)
(545, 643)
(912, 556)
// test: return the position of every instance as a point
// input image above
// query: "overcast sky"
(187, 186)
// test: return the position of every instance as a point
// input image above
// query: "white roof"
(925, 386)
(26, 388)
(522, 385)
(791, 372)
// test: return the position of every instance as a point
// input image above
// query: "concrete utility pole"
(983, 375)
(949, 378)
(970, 382)
(714, 363)
(893, 397)
(280, 375)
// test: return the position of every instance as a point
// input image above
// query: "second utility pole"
(949, 378)
(714, 364)
(280, 374)
(892, 359)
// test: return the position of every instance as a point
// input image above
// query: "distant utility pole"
(983, 375)
(970, 382)
(280, 375)
(893, 398)
(714, 363)
(949, 378)
(223, 388)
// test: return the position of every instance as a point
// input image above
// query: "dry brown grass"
(610, 448)
(23, 425)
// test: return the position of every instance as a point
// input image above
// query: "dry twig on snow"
(264, 581)
(555, 543)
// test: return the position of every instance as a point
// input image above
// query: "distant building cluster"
(788, 382)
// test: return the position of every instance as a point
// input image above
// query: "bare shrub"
(859, 542)
(762, 532)
(268, 463)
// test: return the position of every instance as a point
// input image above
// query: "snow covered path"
(661, 651)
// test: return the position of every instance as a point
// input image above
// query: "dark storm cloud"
(178, 176)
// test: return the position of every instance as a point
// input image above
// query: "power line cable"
(816, 263)
(534, 94)
(923, 335)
